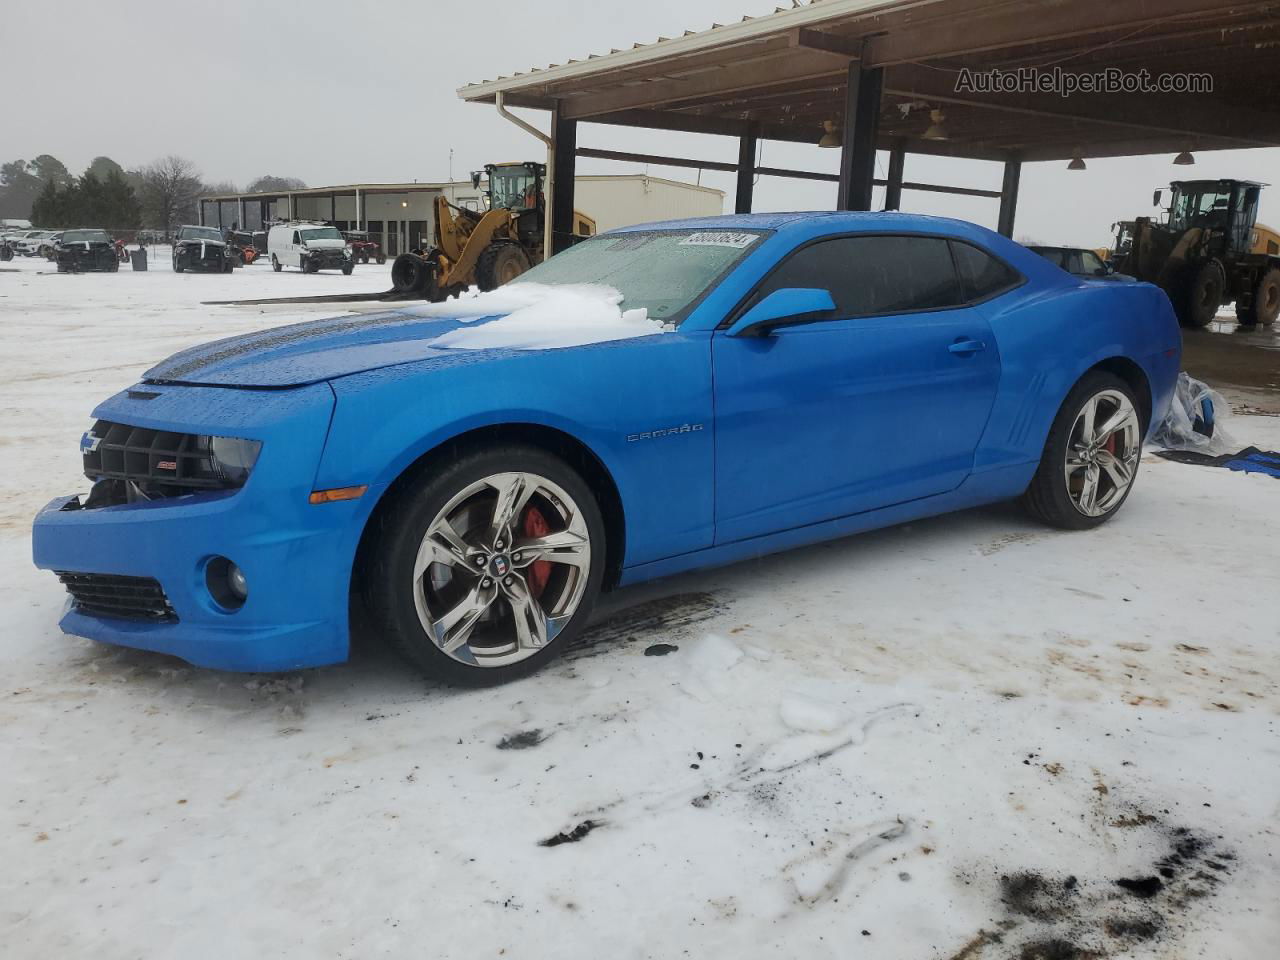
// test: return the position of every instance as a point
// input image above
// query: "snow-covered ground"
(950, 740)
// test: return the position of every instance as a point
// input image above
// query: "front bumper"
(327, 259)
(296, 556)
(215, 259)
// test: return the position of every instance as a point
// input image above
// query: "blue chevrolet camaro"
(814, 375)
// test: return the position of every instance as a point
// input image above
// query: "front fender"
(626, 401)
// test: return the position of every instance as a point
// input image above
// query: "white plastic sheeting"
(1195, 420)
(537, 316)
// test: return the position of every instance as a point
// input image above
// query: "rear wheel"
(487, 568)
(500, 263)
(276, 265)
(1090, 459)
(1203, 295)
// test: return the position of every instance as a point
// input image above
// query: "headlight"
(347, 250)
(232, 458)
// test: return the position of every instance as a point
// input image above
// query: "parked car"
(1080, 262)
(310, 247)
(86, 249)
(201, 249)
(363, 247)
(777, 380)
(50, 249)
(36, 243)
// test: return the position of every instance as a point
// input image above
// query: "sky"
(334, 91)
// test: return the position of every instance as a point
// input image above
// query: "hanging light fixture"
(937, 130)
(1184, 159)
(1077, 163)
(831, 136)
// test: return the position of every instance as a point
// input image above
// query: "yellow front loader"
(484, 248)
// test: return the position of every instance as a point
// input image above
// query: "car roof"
(834, 221)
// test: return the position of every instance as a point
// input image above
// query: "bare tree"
(169, 190)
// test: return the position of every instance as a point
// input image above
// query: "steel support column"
(893, 187)
(564, 134)
(746, 170)
(1009, 196)
(199, 213)
(859, 130)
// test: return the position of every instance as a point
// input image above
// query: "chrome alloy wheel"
(501, 569)
(1102, 453)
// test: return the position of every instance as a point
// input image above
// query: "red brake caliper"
(535, 525)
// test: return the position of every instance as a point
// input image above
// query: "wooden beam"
(745, 186)
(1009, 197)
(657, 159)
(848, 48)
(893, 188)
(860, 129)
(1009, 25)
(565, 134)
(717, 83)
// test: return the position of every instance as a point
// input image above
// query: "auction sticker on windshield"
(738, 241)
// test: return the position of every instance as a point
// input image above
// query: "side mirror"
(475, 179)
(1155, 198)
(783, 308)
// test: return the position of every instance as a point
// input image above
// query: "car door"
(295, 249)
(881, 402)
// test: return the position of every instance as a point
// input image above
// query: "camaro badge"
(655, 434)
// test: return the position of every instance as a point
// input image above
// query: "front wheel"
(1090, 460)
(1202, 296)
(488, 566)
(348, 267)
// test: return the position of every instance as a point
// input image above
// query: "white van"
(309, 246)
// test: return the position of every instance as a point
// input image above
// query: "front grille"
(158, 461)
(108, 595)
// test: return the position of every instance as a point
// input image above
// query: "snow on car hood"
(302, 353)
(324, 244)
(536, 316)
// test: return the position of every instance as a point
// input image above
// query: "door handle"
(965, 346)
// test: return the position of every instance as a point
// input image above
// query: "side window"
(983, 275)
(873, 275)
(296, 239)
(1091, 263)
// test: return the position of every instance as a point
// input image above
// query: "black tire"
(1265, 305)
(413, 274)
(499, 263)
(276, 265)
(382, 258)
(176, 268)
(387, 578)
(113, 266)
(1202, 296)
(347, 268)
(1048, 498)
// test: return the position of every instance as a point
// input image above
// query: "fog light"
(235, 580)
(226, 583)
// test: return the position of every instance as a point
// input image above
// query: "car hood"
(309, 352)
(197, 241)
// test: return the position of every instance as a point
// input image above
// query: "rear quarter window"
(982, 275)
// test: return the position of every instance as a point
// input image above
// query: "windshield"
(321, 233)
(1200, 207)
(514, 188)
(663, 271)
(81, 236)
(199, 233)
